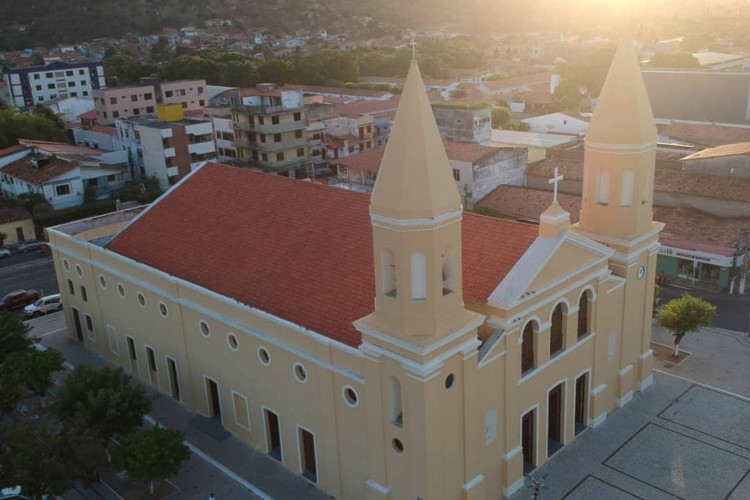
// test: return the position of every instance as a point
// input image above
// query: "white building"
(221, 118)
(38, 84)
(558, 123)
(70, 107)
(166, 150)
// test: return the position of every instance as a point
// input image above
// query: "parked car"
(29, 246)
(45, 249)
(15, 493)
(4, 252)
(18, 299)
(48, 304)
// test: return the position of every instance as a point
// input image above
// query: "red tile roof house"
(61, 172)
(477, 169)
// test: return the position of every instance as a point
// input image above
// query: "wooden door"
(527, 437)
(554, 422)
(77, 323)
(581, 403)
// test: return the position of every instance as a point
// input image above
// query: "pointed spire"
(623, 112)
(554, 221)
(415, 179)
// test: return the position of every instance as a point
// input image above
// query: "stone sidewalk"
(230, 468)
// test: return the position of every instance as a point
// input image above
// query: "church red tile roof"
(298, 250)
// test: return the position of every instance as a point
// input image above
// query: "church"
(389, 346)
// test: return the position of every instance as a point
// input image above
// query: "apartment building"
(124, 102)
(358, 131)
(270, 128)
(168, 146)
(223, 132)
(38, 84)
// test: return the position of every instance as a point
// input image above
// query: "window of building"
(457, 174)
(69, 72)
(121, 290)
(136, 111)
(418, 268)
(202, 103)
(556, 331)
(134, 98)
(449, 271)
(241, 412)
(388, 272)
(85, 93)
(602, 188)
(262, 137)
(36, 76)
(300, 152)
(627, 188)
(62, 189)
(276, 137)
(89, 324)
(583, 314)
(308, 455)
(168, 93)
(48, 75)
(102, 282)
(71, 84)
(300, 373)
(66, 265)
(114, 346)
(279, 156)
(51, 86)
(39, 87)
(298, 134)
(163, 309)
(232, 341)
(81, 72)
(84, 295)
(105, 114)
(204, 328)
(71, 287)
(200, 90)
(113, 100)
(527, 348)
(264, 356)
(490, 426)
(141, 299)
(148, 96)
(612, 347)
(261, 120)
(74, 94)
(275, 120)
(83, 83)
(397, 415)
(263, 156)
(350, 396)
(184, 105)
(115, 114)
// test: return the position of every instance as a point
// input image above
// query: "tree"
(34, 368)
(500, 117)
(34, 460)
(14, 335)
(101, 400)
(42, 124)
(683, 315)
(150, 454)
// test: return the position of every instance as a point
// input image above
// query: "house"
(70, 108)
(16, 224)
(356, 338)
(98, 137)
(464, 123)
(727, 160)
(704, 134)
(557, 123)
(64, 182)
(37, 84)
(536, 143)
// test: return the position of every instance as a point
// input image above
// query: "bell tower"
(420, 343)
(616, 209)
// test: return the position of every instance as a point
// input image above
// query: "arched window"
(449, 271)
(418, 276)
(627, 188)
(602, 188)
(397, 416)
(556, 331)
(527, 348)
(388, 272)
(583, 314)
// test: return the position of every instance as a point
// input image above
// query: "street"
(26, 271)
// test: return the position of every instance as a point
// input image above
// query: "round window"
(102, 281)
(141, 299)
(205, 330)
(449, 380)
(398, 445)
(232, 341)
(350, 396)
(121, 290)
(163, 309)
(264, 356)
(300, 372)
(66, 265)
(79, 270)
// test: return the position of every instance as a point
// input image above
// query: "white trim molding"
(517, 485)
(625, 399)
(374, 485)
(645, 383)
(473, 483)
(599, 420)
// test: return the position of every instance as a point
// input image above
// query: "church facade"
(392, 346)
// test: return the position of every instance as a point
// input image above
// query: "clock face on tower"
(641, 272)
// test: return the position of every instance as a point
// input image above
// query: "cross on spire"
(555, 180)
(413, 46)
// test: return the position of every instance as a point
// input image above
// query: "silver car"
(48, 304)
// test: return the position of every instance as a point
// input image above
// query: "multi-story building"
(223, 132)
(489, 344)
(358, 130)
(167, 147)
(37, 84)
(270, 128)
(124, 102)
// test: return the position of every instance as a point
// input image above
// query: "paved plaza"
(677, 440)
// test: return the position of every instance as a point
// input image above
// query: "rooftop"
(326, 287)
(152, 121)
(739, 149)
(531, 139)
(25, 170)
(12, 214)
(707, 134)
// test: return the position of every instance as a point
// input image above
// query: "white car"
(48, 304)
(4, 252)
(14, 493)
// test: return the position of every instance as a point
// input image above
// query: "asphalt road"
(25, 271)
(731, 310)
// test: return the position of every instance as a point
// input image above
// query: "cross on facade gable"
(555, 180)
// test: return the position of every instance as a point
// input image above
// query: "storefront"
(708, 265)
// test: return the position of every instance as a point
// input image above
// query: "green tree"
(34, 460)
(102, 400)
(150, 454)
(161, 52)
(14, 335)
(684, 315)
(42, 124)
(500, 117)
(276, 70)
(34, 368)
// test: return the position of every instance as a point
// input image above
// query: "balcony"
(272, 147)
(265, 109)
(201, 147)
(268, 128)
(275, 166)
